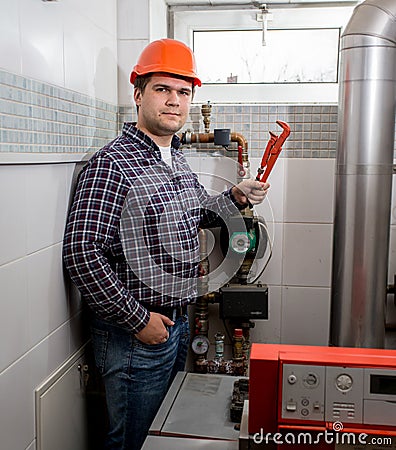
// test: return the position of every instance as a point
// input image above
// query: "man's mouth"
(168, 113)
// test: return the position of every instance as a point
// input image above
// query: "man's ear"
(137, 96)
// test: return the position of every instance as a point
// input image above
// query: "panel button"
(291, 406)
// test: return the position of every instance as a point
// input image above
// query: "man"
(131, 242)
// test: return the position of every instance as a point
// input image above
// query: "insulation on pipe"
(365, 149)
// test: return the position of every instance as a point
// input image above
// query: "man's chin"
(172, 127)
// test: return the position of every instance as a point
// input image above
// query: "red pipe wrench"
(272, 150)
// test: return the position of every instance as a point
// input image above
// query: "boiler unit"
(322, 396)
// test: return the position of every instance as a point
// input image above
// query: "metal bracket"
(260, 16)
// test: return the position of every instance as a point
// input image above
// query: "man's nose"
(173, 97)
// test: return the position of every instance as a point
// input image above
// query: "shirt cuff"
(139, 320)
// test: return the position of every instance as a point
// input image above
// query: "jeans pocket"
(100, 340)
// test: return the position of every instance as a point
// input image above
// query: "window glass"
(289, 56)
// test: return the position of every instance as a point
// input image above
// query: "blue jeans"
(136, 378)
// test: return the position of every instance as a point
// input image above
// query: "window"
(289, 56)
(298, 64)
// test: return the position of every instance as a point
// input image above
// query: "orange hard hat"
(169, 56)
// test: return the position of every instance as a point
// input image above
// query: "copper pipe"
(237, 137)
(205, 138)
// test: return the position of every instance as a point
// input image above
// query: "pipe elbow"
(373, 18)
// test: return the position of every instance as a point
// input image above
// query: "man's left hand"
(250, 191)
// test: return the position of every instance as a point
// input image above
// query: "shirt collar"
(129, 129)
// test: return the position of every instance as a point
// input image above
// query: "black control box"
(238, 301)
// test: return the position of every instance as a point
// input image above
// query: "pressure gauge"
(344, 382)
(200, 345)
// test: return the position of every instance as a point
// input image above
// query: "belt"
(173, 312)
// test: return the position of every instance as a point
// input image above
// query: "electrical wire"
(262, 222)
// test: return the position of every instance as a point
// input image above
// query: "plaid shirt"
(131, 238)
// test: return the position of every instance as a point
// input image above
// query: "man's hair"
(141, 81)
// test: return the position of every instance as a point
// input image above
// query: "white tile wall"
(79, 52)
(105, 68)
(273, 273)
(269, 331)
(14, 312)
(70, 44)
(158, 21)
(305, 315)
(42, 40)
(309, 190)
(133, 19)
(45, 205)
(48, 303)
(40, 319)
(13, 235)
(10, 45)
(17, 393)
(127, 54)
(102, 13)
(217, 173)
(273, 208)
(17, 385)
(307, 250)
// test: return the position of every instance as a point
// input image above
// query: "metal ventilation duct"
(366, 131)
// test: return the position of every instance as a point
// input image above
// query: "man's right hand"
(155, 331)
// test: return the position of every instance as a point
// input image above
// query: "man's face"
(163, 106)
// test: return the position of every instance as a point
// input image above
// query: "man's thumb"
(167, 321)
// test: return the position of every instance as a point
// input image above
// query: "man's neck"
(161, 141)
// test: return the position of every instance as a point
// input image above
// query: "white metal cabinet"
(61, 418)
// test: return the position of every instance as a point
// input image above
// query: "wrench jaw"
(272, 151)
(266, 154)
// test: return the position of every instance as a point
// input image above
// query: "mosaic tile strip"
(38, 117)
(313, 127)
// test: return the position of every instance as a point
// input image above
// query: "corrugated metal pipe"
(366, 132)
